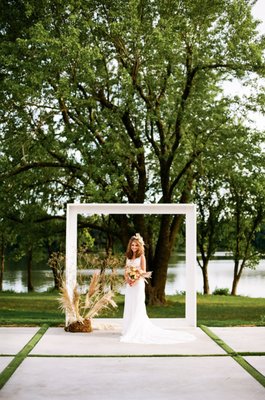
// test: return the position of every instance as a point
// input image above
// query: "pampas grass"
(104, 302)
(93, 291)
(70, 306)
(82, 307)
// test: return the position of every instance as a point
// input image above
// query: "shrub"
(221, 292)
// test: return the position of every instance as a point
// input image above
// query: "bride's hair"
(136, 238)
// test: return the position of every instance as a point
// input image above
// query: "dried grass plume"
(82, 307)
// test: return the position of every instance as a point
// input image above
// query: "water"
(252, 282)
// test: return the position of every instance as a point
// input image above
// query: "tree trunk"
(2, 255)
(57, 277)
(234, 286)
(169, 229)
(237, 274)
(156, 292)
(206, 287)
(29, 269)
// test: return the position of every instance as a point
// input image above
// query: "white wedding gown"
(137, 327)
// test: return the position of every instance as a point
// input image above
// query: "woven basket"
(77, 326)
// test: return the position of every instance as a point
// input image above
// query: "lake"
(252, 282)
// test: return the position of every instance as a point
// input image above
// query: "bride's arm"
(143, 263)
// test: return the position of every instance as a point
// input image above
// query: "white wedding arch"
(189, 210)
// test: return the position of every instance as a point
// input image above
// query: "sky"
(259, 13)
(235, 87)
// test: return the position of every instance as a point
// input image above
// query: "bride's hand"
(130, 282)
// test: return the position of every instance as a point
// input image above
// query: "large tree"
(211, 210)
(230, 199)
(247, 210)
(116, 101)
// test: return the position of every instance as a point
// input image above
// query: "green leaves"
(123, 101)
(78, 68)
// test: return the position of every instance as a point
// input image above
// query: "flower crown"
(138, 237)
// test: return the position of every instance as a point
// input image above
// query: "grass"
(20, 357)
(21, 309)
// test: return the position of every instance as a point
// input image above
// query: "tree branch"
(39, 164)
(183, 171)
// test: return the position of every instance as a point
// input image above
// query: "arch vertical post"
(191, 253)
(71, 250)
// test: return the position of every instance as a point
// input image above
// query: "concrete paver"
(97, 366)
(178, 378)
(14, 339)
(257, 362)
(243, 339)
(99, 342)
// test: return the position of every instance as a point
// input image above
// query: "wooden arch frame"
(189, 210)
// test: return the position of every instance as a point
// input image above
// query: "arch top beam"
(135, 208)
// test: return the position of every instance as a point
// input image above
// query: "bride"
(137, 327)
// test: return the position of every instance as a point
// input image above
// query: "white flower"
(138, 237)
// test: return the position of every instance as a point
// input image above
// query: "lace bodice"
(134, 263)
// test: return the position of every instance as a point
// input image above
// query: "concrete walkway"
(221, 363)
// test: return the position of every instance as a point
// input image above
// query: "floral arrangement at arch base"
(80, 309)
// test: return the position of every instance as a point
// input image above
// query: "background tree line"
(125, 101)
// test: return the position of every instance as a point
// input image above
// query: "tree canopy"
(123, 101)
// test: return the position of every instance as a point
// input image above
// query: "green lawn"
(39, 308)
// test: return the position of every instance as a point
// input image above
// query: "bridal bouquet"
(134, 274)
